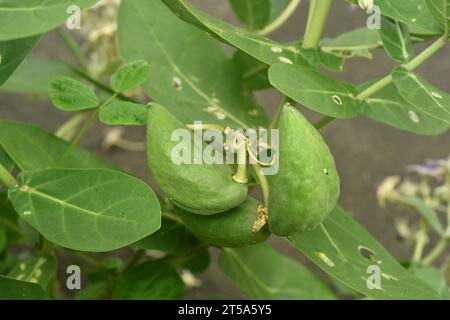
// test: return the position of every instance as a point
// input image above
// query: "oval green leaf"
(11, 289)
(315, 90)
(130, 75)
(26, 18)
(345, 250)
(123, 113)
(71, 95)
(32, 148)
(87, 209)
(262, 273)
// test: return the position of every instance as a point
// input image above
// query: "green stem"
(264, 184)
(281, 19)
(83, 130)
(68, 129)
(410, 66)
(72, 45)
(318, 13)
(98, 84)
(436, 252)
(323, 122)
(6, 178)
(421, 242)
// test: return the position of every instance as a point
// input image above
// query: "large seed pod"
(306, 187)
(237, 227)
(199, 188)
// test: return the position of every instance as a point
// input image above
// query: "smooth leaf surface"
(254, 72)
(71, 95)
(422, 95)
(26, 18)
(356, 43)
(441, 11)
(262, 273)
(12, 53)
(151, 280)
(315, 90)
(32, 148)
(87, 209)
(261, 48)
(389, 107)
(130, 75)
(173, 238)
(413, 12)
(434, 278)
(396, 40)
(119, 113)
(193, 78)
(345, 251)
(34, 74)
(39, 269)
(253, 13)
(11, 289)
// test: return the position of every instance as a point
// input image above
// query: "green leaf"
(173, 238)
(31, 17)
(198, 261)
(12, 53)
(193, 78)
(125, 113)
(253, 72)
(130, 75)
(260, 48)
(34, 74)
(263, 274)
(39, 269)
(345, 250)
(396, 40)
(315, 90)
(411, 12)
(423, 96)
(441, 11)
(11, 289)
(87, 209)
(5, 160)
(389, 107)
(428, 214)
(433, 277)
(151, 280)
(3, 238)
(71, 95)
(8, 217)
(255, 14)
(32, 148)
(356, 43)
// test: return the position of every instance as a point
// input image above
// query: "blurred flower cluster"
(99, 30)
(425, 190)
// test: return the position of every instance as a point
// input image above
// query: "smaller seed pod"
(238, 227)
(306, 187)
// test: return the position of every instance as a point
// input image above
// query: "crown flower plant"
(228, 181)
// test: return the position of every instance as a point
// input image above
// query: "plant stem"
(318, 13)
(281, 19)
(83, 130)
(323, 122)
(264, 184)
(72, 45)
(421, 241)
(436, 252)
(6, 178)
(98, 84)
(68, 129)
(410, 66)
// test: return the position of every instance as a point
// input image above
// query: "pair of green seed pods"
(218, 209)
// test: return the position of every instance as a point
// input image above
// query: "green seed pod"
(306, 187)
(234, 228)
(199, 188)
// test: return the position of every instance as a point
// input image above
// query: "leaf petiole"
(6, 178)
(281, 19)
